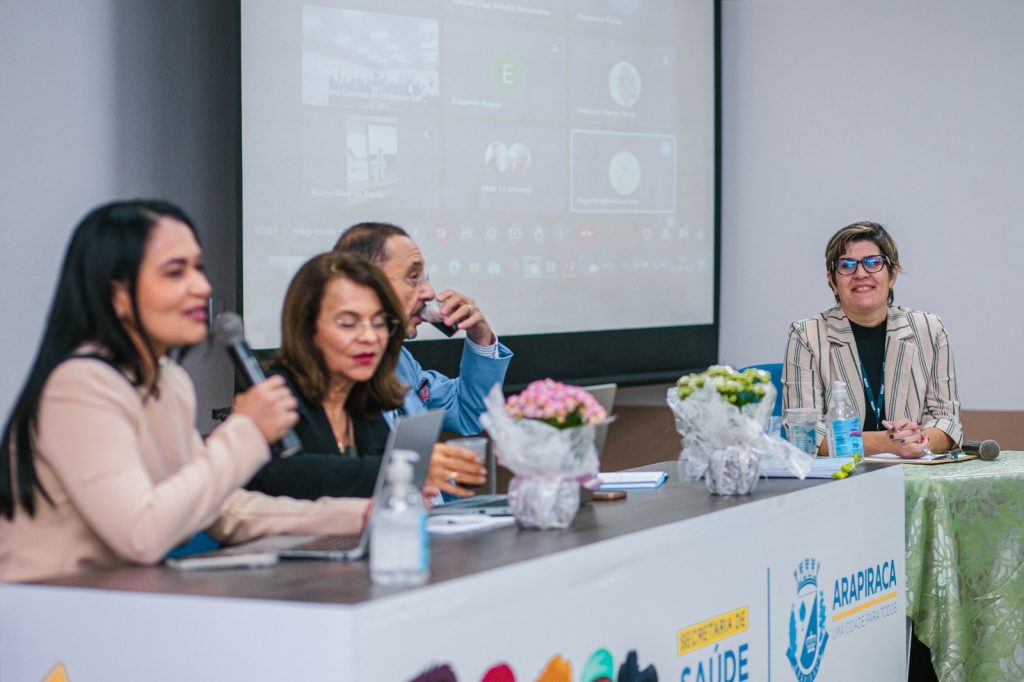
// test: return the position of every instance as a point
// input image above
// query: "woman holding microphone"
(895, 361)
(100, 460)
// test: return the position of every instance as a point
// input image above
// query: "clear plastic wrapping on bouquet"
(542, 502)
(726, 445)
(549, 464)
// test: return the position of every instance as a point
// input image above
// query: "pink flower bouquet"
(545, 436)
(561, 405)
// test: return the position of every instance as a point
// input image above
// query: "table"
(965, 557)
(696, 586)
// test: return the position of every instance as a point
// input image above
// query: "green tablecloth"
(965, 566)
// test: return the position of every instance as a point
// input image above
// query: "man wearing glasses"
(895, 360)
(484, 359)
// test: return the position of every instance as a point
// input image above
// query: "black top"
(320, 469)
(871, 349)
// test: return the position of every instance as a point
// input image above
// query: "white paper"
(821, 467)
(456, 524)
(622, 480)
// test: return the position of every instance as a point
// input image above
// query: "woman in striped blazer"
(899, 357)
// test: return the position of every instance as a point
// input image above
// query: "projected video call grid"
(547, 150)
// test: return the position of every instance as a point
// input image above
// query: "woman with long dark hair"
(100, 459)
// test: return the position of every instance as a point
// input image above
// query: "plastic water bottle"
(399, 544)
(844, 428)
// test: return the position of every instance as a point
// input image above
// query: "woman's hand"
(907, 438)
(449, 465)
(271, 405)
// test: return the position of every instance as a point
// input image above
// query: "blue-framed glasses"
(848, 266)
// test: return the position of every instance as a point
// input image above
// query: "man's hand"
(461, 311)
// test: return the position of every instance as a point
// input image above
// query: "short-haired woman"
(896, 361)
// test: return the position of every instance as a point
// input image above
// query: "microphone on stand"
(228, 332)
(987, 450)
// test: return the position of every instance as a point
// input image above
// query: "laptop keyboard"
(330, 543)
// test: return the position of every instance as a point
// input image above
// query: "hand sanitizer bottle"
(843, 424)
(399, 544)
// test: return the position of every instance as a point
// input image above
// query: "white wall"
(908, 113)
(56, 151)
(105, 99)
(833, 110)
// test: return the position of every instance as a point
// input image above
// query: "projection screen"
(556, 161)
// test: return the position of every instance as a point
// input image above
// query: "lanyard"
(876, 409)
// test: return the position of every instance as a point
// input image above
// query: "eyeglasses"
(848, 266)
(382, 325)
(417, 281)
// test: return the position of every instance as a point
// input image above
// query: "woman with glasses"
(896, 361)
(340, 341)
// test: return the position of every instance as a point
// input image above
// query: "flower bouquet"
(545, 436)
(722, 415)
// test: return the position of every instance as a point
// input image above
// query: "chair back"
(775, 369)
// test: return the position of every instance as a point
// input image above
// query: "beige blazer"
(920, 381)
(129, 478)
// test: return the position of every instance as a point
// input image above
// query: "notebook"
(498, 505)
(417, 432)
(632, 480)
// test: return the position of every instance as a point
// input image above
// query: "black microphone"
(987, 450)
(228, 332)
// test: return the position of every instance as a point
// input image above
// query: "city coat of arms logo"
(807, 633)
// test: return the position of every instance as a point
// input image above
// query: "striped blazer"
(920, 382)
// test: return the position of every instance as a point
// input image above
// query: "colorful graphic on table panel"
(600, 667)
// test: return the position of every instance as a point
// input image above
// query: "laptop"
(417, 432)
(498, 505)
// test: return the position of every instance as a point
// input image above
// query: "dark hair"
(863, 230)
(106, 248)
(368, 240)
(304, 361)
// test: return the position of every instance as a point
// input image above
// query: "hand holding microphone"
(269, 403)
